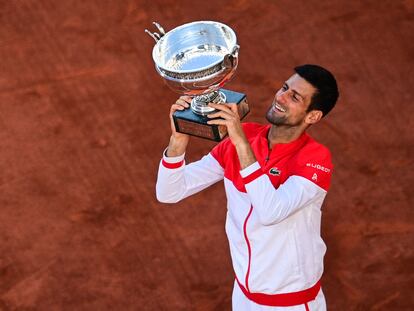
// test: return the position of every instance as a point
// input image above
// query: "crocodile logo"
(274, 171)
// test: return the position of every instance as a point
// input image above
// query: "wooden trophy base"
(188, 122)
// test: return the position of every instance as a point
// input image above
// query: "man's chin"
(275, 120)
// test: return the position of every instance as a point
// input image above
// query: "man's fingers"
(176, 107)
(220, 114)
(234, 108)
(230, 108)
(182, 103)
(222, 107)
(218, 122)
(186, 98)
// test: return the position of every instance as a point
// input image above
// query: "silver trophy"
(197, 59)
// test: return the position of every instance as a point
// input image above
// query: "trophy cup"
(197, 59)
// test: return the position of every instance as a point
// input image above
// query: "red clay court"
(84, 121)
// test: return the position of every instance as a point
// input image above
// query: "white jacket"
(273, 208)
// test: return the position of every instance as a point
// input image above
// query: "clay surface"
(84, 121)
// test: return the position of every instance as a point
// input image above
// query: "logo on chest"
(274, 171)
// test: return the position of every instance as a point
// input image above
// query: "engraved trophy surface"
(197, 59)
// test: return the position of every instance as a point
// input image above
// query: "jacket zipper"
(267, 157)
(249, 250)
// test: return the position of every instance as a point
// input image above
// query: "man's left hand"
(230, 118)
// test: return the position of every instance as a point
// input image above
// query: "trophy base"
(188, 122)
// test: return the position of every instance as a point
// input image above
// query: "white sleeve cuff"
(172, 159)
(250, 169)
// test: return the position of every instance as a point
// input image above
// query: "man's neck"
(283, 134)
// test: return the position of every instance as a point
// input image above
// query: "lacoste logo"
(274, 171)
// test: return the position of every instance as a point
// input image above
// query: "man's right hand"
(178, 141)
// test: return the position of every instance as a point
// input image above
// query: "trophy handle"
(155, 35)
(230, 60)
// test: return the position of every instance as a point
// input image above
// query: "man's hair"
(326, 93)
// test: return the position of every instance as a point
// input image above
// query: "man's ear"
(313, 117)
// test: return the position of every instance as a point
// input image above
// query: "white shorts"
(241, 303)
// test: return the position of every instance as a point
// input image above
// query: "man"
(276, 178)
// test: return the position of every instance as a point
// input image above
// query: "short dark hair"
(327, 92)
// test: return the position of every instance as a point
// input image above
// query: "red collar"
(260, 146)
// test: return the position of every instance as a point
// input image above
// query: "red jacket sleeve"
(314, 163)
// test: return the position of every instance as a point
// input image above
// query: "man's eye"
(284, 87)
(297, 98)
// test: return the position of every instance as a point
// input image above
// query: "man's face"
(291, 102)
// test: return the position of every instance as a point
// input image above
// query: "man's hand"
(178, 141)
(230, 118)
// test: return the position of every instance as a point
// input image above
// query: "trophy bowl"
(197, 59)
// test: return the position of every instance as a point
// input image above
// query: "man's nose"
(281, 96)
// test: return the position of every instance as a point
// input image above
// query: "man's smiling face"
(291, 102)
